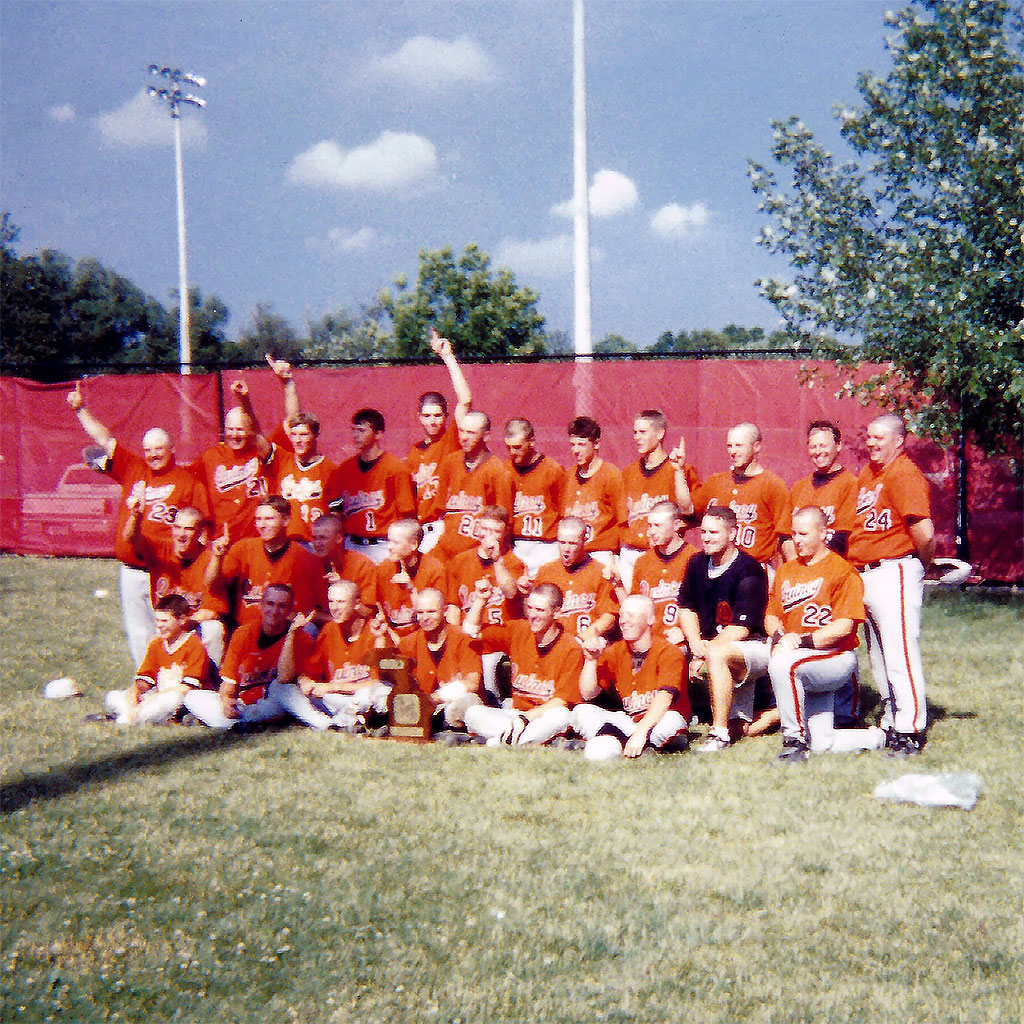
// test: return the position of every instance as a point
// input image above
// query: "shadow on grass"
(63, 780)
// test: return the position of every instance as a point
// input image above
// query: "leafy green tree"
(485, 313)
(340, 335)
(267, 332)
(912, 254)
(56, 315)
(731, 340)
(614, 343)
(207, 319)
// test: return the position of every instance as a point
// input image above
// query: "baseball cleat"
(714, 742)
(904, 744)
(793, 752)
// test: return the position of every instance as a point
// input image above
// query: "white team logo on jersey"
(534, 685)
(227, 477)
(362, 501)
(796, 593)
(529, 503)
(867, 498)
(302, 488)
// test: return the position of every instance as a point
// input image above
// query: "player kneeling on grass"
(648, 675)
(815, 607)
(175, 664)
(447, 665)
(250, 690)
(336, 674)
(546, 664)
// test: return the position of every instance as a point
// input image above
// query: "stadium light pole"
(174, 97)
(583, 343)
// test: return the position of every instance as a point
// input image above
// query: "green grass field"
(167, 874)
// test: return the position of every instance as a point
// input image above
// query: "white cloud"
(144, 121)
(547, 257)
(393, 159)
(676, 221)
(611, 193)
(338, 240)
(62, 114)
(436, 63)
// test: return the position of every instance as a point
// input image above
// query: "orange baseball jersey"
(465, 494)
(305, 487)
(636, 681)
(659, 578)
(762, 507)
(250, 661)
(539, 674)
(342, 663)
(468, 567)
(424, 462)
(186, 661)
(169, 574)
(166, 491)
(643, 490)
(248, 563)
(371, 496)
(456, 661)
(236, 484)
(887, 500)
(834, 493)
(350, 565)
(586, 593)
(395, 599)
(599, 501)
(536, 499)
(805, 597)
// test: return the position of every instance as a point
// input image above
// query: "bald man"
(892, 545)
(759, 498)
(238, 471)
(162, 487)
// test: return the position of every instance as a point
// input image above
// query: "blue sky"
(340, 138)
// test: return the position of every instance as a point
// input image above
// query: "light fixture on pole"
(174, 97)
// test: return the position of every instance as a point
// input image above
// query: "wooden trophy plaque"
(409, 709)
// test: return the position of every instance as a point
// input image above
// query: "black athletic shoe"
(677, 744)
(793, 752)
(904, 744)
(101, 717)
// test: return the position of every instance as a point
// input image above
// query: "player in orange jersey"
(893, 545)
(758, 497)
(371, 489)
(270, 557)
(403, 574)
(302, 474)
(447, 665)
(814, 610)
(659, 572)
(440, 438)
(175, 663)
(537, 484)
(546, 664)
(178, 566)
(328, 544)
(647, 676)
(470, 480)
(832, 487)
(589, 608)
(164, 487)
(593, 492)
(656, 476)
(250, 690)
(337, 675)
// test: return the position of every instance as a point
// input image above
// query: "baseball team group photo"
(473, 632)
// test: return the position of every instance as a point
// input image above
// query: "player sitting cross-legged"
(648, 676)
(815, 608)
(175, 663)
(546, 664)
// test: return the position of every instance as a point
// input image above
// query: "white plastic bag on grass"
(946, 789)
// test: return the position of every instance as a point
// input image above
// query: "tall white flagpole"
(581, 199)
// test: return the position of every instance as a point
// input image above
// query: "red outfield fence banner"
(54, 504)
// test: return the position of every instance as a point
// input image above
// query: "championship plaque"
(409, 708)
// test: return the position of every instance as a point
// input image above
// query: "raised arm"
(241, 392)
(283, 371)
(684, 499)
(92, 426)
(463, 396)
